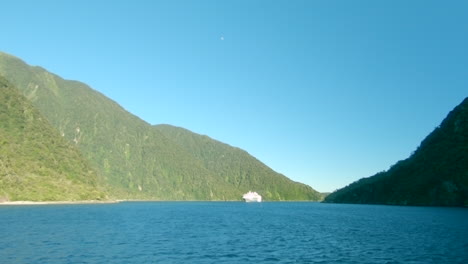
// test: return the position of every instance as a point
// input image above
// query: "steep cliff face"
(36, 163)
(238, 168)
(436, 174)
(135, 160)
(131, 158)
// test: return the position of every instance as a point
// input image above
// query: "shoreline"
(7, 203)
(12, 203)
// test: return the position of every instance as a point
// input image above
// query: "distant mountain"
(435, 174)
(36, 163)
(132, 158)
(237, 167)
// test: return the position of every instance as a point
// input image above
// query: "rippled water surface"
(231, 232)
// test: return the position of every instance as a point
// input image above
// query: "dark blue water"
(218, 232)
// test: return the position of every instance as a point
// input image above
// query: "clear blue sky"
(325, 92)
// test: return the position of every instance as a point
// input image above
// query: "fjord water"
(232, 232)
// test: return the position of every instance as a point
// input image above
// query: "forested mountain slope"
(132, 158)
(239, 168)
(435, 174)
(36, 163)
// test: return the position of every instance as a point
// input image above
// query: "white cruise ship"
(252, 197)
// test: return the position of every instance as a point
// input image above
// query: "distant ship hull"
(252, 200)
(252, 197)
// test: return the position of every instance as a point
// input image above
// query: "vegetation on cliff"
(237, 167)
(135, 160)
(36, 163)
(435, 174)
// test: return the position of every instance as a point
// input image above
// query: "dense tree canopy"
(435, 174)
(135, 160)
(36, 163)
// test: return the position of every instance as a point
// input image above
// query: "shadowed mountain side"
(239, 168)
(36, 163)
(435, 174)
(132, 158)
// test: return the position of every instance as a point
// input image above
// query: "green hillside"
(238, 168)
(435, 174)
(36, 163)
(134, 159)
